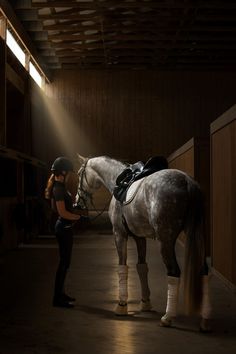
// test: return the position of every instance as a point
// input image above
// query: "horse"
(162, 205)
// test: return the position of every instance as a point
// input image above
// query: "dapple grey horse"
(160, 206)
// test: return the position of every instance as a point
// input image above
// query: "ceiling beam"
(177, 4)
(27, 15)
(135, 37)
(33, 26)
(127, 52)
(189, 45)
(135, 28)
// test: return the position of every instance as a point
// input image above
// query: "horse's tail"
(194, 248)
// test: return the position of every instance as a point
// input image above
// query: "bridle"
(84, 195)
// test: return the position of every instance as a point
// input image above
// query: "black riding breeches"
(64, 235)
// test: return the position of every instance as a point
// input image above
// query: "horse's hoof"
(205, 326)
(145, 306)
(166, 321)
(121, 310)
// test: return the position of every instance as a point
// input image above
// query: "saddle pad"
(132, 191)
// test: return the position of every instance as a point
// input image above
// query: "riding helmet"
(62, 164)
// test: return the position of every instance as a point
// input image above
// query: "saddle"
(135, 172)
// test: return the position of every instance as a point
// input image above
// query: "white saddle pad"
(132, 191)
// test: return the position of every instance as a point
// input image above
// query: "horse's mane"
(109, 159)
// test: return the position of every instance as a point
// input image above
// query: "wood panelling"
(223, 194)
(2, 92)
(183, 158)
(10, 235)
(193, 158)
(15, 79)
(23, 180)
(15, 132)
(130, 115)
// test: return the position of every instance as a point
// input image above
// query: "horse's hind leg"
(173, 272)
(142, 269)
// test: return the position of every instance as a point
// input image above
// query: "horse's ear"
(81, 159)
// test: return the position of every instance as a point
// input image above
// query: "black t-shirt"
(59, 193)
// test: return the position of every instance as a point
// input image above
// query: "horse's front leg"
(142, 269)
(121, 246)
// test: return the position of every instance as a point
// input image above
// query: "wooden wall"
(194, 159)
(23, 177)
(223, 194)
(130, 115)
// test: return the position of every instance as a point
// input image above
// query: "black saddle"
(135, 172)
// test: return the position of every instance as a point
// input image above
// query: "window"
(20, 50)
(34, 73)
(15, 48)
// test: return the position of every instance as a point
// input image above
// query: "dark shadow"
(219, 327)
(132, 315)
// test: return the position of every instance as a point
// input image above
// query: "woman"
(62, 204)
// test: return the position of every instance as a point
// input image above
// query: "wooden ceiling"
(131, 34)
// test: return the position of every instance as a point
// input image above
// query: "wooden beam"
(133, 37)
(3, 26)
(129, 52)
(77, 17)
(33, 26)
(27, 15)
(157, 45)
(147, 59)
(134, 27)
(177, 4)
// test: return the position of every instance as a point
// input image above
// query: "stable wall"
(223, 195)
(194, 158)
(129, 115)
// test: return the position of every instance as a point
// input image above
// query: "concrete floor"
(30, 325)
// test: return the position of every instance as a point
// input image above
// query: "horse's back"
(170, 182)
(161, 199)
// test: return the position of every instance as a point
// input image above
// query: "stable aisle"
(30, 325)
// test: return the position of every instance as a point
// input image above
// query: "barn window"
(15, 48)
(34, 73)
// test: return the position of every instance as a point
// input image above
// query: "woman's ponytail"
(48, 189)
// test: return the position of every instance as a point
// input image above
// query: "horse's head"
(88, 182)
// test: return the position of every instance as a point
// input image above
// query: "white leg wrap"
(172, 296)
(172, 300)
(123, 283)
(142, 270)
(206, 307)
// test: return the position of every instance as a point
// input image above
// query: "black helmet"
(62, 164)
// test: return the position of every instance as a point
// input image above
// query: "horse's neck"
(107, 170)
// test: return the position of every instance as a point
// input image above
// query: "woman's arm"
(65, 214)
